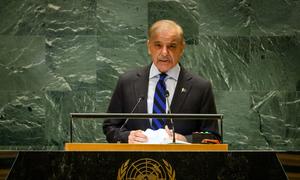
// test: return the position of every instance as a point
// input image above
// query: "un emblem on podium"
(146, 168)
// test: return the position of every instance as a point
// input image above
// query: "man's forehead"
(175, 41)
(163, 37)
(166, 25)
(167, 30)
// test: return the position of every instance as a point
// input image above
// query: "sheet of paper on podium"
(159, 136)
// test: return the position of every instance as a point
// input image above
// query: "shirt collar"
(172, 73)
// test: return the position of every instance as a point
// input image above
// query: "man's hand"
(178, 137)
(137, 137)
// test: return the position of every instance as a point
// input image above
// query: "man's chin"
(163, 69)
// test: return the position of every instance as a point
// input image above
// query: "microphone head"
(167, 94)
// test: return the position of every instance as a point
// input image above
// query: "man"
(187, 93)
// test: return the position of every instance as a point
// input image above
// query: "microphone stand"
(133, 109)
(169, 112)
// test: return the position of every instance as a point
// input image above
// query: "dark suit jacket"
(197, 99)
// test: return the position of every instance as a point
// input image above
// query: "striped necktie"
(159, 103)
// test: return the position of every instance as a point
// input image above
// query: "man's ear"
(148, 47)
(183, 47)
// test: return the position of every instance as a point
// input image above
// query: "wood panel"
(144, 147)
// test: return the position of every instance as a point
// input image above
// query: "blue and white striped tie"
(159, 103)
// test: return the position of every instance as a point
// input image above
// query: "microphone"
(167, 94)
(140, 99)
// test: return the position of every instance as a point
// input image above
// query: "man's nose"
(164, 50)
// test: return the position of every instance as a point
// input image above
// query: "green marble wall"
(58, 57)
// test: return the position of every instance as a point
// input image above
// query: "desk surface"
(144, 147)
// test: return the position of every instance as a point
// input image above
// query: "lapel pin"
(183, 90)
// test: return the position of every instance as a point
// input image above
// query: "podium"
(146, 161)
(123, 161)
(145, 147)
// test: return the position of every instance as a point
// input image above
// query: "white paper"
(159, 136)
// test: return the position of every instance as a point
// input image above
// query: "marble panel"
(274, 63)
(22, 120)
(22, 64)
(204, 17)
(222, 60)
(275, 17)
(59, 105)
(178, 12)
(246, 63)
(121, 25)
(73, 17)
(240, 124)
(73, 60)
(230, 18)
(107, 78)
(20, 17)
(278, 114)
(260, 120)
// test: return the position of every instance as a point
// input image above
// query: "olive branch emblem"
(122, 170)
(170, 171)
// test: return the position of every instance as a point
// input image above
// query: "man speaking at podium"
(151, 88)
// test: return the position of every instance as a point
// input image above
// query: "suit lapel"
(141, 90)
(182, 89)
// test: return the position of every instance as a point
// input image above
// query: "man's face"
(165, 48)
